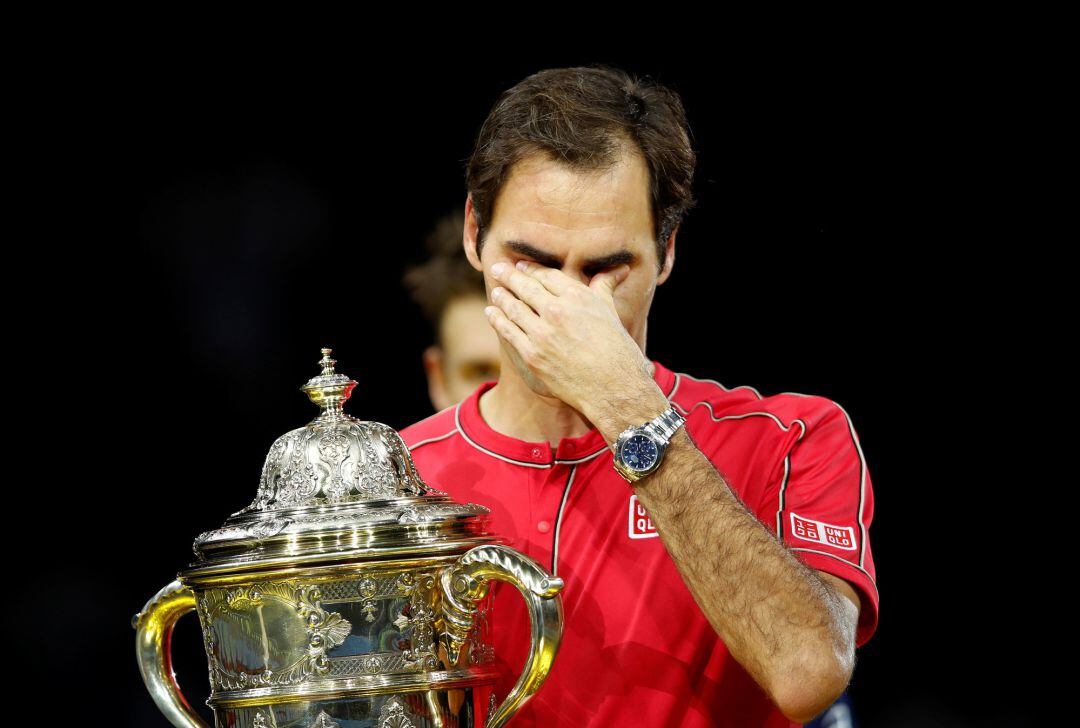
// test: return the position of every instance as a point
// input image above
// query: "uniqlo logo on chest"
(641, 526)
(841, 537)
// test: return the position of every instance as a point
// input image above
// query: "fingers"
(528, 289)
(552, 279)
(514, 309)
(507, 329)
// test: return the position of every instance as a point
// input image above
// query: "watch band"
(666, 424)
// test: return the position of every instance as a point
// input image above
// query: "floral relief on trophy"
(480, 650)
(264, 720)
(322, 720)
(371, 665)
(346, 461)
(367, 589)
(336, 458)
(406, 603)
(420, 624)
(333, 446)
(394, 715)
(265, 634)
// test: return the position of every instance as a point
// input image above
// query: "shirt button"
(543, 527)
(537, 453)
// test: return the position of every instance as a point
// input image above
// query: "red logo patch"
(840, 537)
(641, 526)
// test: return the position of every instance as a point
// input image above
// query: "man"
(452, 296)
(731, 584)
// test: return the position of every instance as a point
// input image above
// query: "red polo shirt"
(636, 648)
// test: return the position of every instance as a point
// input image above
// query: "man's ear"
(433, 361)
(469, 235)
(669, 257)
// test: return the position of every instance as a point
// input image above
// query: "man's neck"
(513, 409)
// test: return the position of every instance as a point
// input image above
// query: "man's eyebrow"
(551, 261)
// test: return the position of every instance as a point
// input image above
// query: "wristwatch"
(639, 450)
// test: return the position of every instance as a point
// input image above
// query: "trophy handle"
(153, 640)
(466, 582)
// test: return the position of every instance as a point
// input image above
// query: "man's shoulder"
(435, 428)
(709, 399)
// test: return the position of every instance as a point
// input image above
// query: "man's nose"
(577, 275)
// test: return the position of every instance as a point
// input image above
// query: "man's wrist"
(618, 412)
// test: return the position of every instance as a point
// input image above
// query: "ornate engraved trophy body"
(348, 594)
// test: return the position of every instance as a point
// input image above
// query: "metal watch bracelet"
(666, 424)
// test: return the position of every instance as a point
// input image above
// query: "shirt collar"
(538, 454)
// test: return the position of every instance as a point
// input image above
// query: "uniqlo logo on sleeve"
(641, 525)
(841, 537)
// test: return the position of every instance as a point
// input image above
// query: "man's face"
(580, 223)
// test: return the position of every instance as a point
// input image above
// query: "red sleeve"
(821, 503)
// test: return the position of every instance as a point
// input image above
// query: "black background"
(202, 221)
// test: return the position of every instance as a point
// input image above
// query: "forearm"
(777, 617)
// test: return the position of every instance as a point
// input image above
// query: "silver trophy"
(349, 593)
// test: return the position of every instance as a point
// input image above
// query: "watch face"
(639, 452)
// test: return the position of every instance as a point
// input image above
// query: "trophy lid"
(339, 488)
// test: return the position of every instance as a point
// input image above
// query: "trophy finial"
(330, 390)
(327, 362)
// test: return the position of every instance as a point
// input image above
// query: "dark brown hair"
(446, 275)
(583, 117)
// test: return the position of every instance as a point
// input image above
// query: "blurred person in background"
(451, 294)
